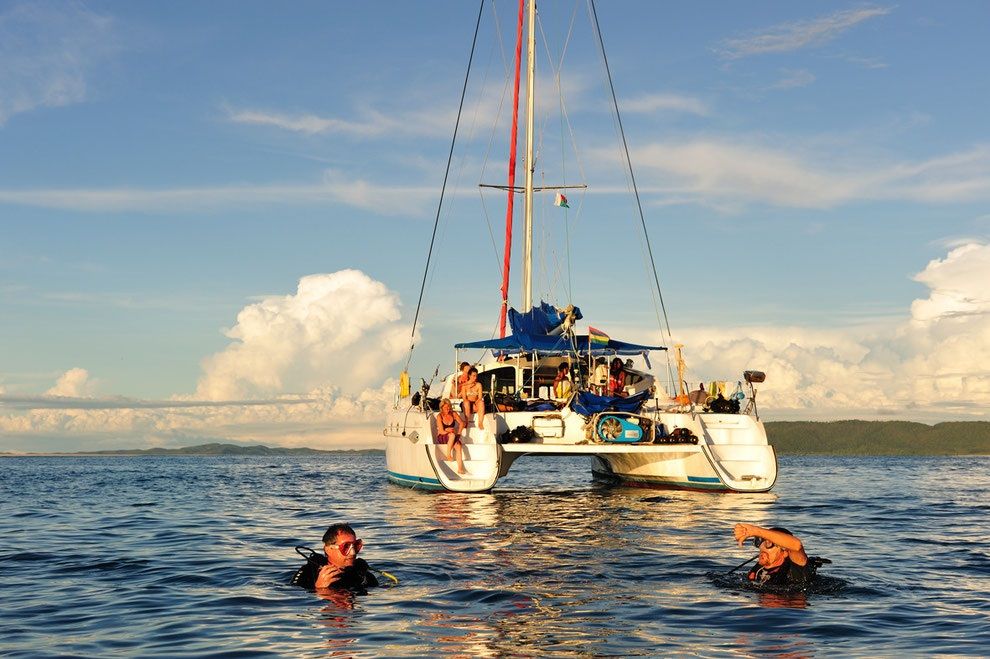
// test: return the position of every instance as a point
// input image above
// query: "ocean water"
(187, 556)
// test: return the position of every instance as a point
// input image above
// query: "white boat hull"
(731, 454)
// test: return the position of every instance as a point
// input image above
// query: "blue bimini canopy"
(558, 345)
(586, 403)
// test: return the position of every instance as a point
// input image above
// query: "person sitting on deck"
(782, 561)
(453, 382)
(617, 379)
(472, 399)
(562, 383)
(449, 428)
(599, 378)
(461, 380)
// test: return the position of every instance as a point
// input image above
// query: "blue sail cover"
(586, 403)
(558, 345)
(540, 321)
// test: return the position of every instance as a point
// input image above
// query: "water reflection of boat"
(634, 432)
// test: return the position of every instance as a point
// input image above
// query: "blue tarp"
(558, 345)
(539, 321)
(586, 403)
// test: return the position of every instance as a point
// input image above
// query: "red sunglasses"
(346, 546)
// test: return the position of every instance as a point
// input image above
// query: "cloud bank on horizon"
(317, 361)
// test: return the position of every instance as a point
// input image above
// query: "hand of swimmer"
(328, 575)
(742, 531)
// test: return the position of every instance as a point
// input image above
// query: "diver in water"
(782, 560)
(340, 567)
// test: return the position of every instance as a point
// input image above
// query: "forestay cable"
(625, 146)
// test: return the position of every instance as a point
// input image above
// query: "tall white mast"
(527, 298)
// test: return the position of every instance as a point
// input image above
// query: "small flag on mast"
(561, 201)
(597, 337)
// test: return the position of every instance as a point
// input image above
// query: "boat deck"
(597, 449)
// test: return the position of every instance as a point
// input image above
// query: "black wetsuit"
(788, 574)
(356, 577)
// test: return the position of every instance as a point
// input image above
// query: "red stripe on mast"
(512, 177)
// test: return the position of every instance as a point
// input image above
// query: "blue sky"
(231, 202)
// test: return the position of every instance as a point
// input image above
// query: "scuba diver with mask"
(782, 561)
(339, 567)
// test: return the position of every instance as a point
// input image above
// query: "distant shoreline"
(835, 438)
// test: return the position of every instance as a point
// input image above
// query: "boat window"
(504, 380)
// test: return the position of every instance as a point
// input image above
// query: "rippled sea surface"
(142, 556)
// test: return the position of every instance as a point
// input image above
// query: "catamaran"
(633, 430)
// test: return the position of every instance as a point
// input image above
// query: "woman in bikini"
(449, 427)
(472, 399)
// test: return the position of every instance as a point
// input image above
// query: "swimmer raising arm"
(772, 539)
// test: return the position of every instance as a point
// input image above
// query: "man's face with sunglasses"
(770, 554)
(344, 550)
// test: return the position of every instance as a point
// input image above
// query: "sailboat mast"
(527, 298)
(507, 257)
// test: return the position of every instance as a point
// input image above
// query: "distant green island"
(787, 437)
(879, 437)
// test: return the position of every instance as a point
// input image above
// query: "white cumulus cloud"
(934, 362)
(341, 328)
(73, 383)
(959, 283)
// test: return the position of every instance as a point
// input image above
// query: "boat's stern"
(736, 445)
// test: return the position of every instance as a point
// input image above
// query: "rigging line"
(491, 233)
(565, 119)
(563, 104)
(443, 188)
(498, 113)
(557, 65)
(484, 169)
(455, 185)
(625, 146)
(499, 40)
